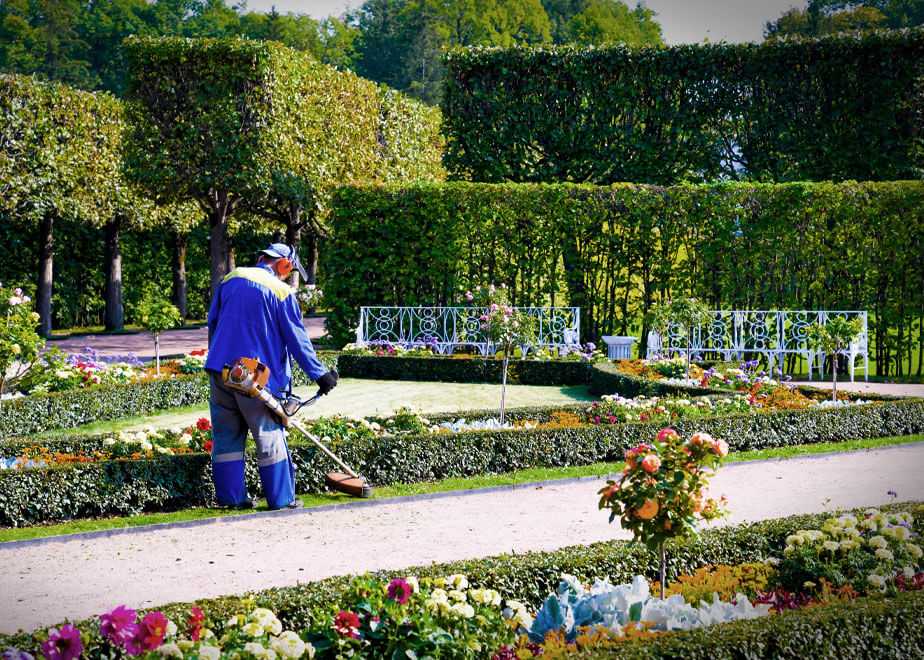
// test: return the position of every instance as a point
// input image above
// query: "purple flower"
(399, 591)
(16, 654)
(63, 643)
(118, 626)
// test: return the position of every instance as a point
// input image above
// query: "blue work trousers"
(233, 414)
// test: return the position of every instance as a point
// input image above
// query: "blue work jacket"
(254, 314)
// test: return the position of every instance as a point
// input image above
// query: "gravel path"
(46, 582)
(172, 342)
(892, 389)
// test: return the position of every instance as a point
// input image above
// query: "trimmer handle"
(293, 403)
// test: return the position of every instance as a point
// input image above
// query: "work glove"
(327, 382)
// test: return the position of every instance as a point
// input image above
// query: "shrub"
(417, 458)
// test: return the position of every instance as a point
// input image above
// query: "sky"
(683, 21)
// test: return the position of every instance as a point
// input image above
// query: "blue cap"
(283, 251)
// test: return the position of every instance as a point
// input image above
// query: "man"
(255, 314)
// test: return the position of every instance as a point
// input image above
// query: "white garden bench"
(773, 334)
(448, 328)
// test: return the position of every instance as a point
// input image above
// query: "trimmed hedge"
(840, 107)
(874, 628)
(27, 498)
(463, 370)
(39, 413)
(531, 576)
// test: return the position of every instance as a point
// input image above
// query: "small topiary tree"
(832, 337)
(686, 313)
(20, 342)
(661, 493)
(504, 327)
(156, 315)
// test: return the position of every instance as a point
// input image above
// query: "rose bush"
(20, 342)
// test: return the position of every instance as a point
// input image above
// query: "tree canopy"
(395, 42)
(823, 17)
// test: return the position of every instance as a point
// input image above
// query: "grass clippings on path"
(532, 475)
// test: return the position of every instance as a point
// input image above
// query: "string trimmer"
(249, 375)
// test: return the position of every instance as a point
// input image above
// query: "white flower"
(879, 542)
(257, 650)
(831, 546)
(253, 629)
(877, 581)
(914, 550)
(464, 610)
(456, 595)
(185, 439)
(885, 555)
(908, 572)
(207, 652)
(234, 621)
(415, 585)
(457, 580)
(170, 650)
(289, 645)
(171, 629)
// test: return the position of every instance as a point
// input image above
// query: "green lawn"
(599, 470)
(362, 398)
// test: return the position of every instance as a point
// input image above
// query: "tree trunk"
(311, 265)
(221, 255)
(503, 387)
(115, 312)
(157, 353)
(46, 274)
(293, 239)
(179, 272)
(834, 376)
(663, 575)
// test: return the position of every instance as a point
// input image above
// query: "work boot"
(246, 505)
(291, 506)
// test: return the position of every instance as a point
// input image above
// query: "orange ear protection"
(284, 265)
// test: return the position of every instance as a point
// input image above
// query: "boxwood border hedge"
(531, 576)
(39, 413)
(37, 496)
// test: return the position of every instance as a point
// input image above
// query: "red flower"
(207, 446)
(151, 632)
(203, 424)
(399, 591)
(346, 624)
(196, 619)
(199, 352)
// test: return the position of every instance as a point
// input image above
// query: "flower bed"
(463, 369)
(182, 385)
(59, 493)
(467, 600)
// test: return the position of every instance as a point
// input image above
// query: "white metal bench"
(773, 334)
(446, 328)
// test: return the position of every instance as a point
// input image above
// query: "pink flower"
(118, 626)
(667, 434)
(400, 591)
(346, 624)
(700, 439)
(651, 463)
(63, 643)
(720, 447)
(150, 634)
(468, 296)
(494, 307)
(196, 620)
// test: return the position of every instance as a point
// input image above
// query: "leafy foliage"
(836, 108)
(19, 341)
(615, 251)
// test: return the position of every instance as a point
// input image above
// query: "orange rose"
(651, 463)
(700, 439)
(648, 510)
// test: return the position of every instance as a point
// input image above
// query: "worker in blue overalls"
(254, 313)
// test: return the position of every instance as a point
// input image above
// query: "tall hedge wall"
(616, 250)
(842, 107)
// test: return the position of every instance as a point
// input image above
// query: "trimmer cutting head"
(345, 483)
